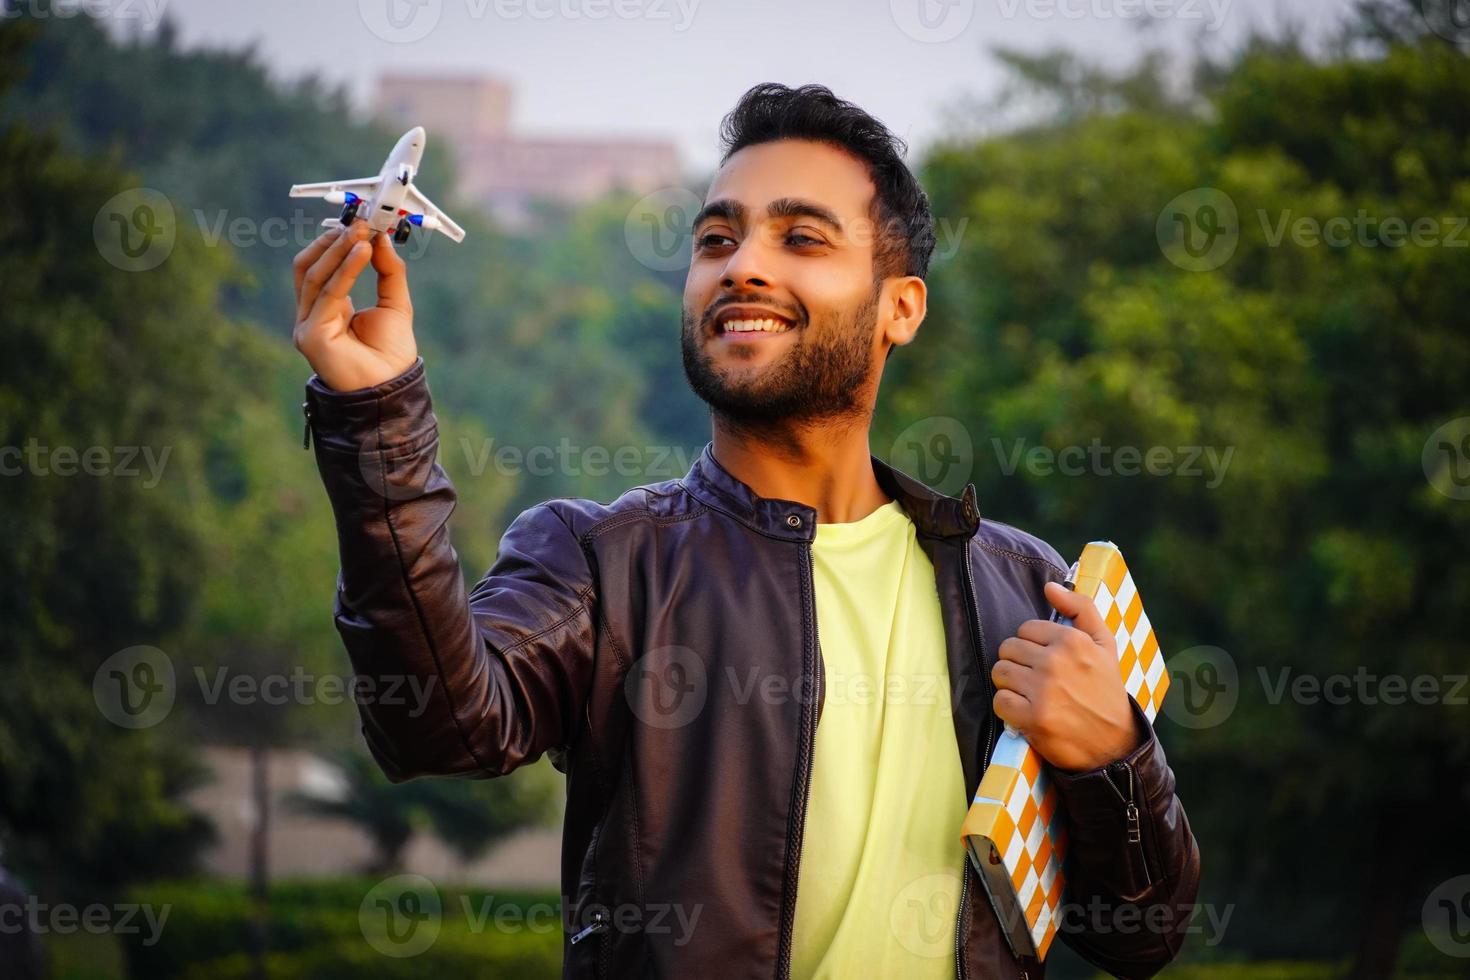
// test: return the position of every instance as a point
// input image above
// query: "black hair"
(771, 111)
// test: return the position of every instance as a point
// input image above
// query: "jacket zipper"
(1132, 821)
(795, 833)
(977, 639)
(306, 429)
(598, 925)
(959, 929)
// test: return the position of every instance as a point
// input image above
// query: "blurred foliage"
(217, 554)
(1323, 370)
(467, 815)
(91, 564)
(316, 931)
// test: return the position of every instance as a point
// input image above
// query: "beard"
(821, 378)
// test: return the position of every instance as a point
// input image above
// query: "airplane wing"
(362, 187)
(434, 219)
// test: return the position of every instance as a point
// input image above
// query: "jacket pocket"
(589, 922)
(1139, 872)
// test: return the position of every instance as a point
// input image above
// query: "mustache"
(796, 317)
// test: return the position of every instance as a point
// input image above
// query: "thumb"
(1080, 609)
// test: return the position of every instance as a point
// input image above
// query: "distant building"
(505, 171)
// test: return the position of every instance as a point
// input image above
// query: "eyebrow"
(784, 207)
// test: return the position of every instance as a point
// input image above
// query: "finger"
(1008, 675)
(320, 269)
(1080, 609)
(308, 255)
(392, 275)
(1027, 653)
(325, 267)
(1041, 631)
(337, 287)
(1013, 709)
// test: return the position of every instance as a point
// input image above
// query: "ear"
(907, 302)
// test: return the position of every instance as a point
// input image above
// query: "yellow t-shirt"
(881, 861)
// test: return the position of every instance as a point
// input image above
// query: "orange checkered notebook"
(1015, 831)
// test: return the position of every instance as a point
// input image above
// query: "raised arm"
(453, 683)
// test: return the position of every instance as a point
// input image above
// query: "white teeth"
(754, 326)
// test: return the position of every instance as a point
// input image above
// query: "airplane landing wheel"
(349, 213)
(401, 233)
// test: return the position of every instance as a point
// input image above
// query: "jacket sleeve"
(448, 683)
(1132, 862)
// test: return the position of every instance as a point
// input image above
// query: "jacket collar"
(934, 514)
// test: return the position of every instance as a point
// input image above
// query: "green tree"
(101, 404)
(1322, 549)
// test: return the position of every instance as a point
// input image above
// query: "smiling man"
(774, 683)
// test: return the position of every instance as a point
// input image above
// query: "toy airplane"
(389, 201)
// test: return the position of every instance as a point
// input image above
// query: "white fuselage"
(387, 206)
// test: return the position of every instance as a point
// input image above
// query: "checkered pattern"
(1015, 831)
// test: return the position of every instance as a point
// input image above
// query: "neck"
(827, 467)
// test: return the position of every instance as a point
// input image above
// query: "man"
(773, 684)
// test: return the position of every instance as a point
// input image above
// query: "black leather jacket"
(623, 638)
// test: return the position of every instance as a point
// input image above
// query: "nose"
(745, 266)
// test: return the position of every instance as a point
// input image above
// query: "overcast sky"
(672, 68)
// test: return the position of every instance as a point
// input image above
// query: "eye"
(803, 241)
(713, 240)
